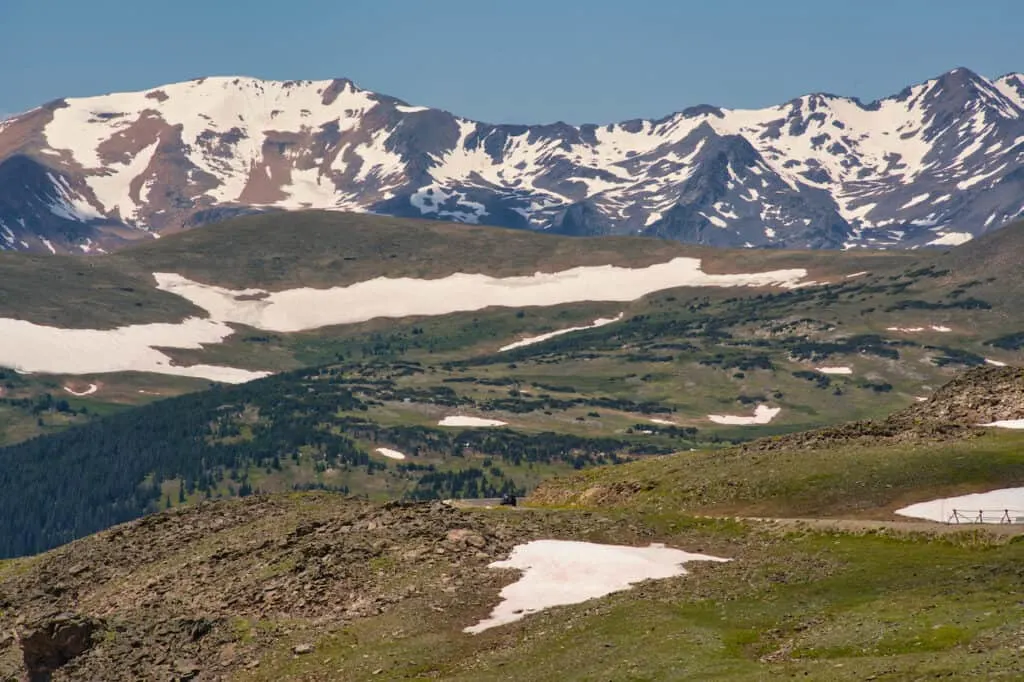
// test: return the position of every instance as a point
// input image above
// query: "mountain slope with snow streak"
(936, 164)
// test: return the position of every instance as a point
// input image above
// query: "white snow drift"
(29, 347)
(914, 330)
(558, 572)
(391, 454)
(762, 415)
(1006, 424)
(79, 394)
(302, 309)
(994, 506)
(530, 340)
(835, 370)
(456, 420)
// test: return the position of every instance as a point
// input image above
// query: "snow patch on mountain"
(560, 572)
(305, 308)
(952, 239)
(32, 348)
(762, 415)
(530, 340)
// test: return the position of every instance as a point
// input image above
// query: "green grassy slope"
(845, 480)
(321, 249)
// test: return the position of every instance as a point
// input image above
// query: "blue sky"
(511, 61)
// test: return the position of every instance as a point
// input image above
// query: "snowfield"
(993, 506)
(559, 572)
(456, 420)
(529, 341)
(1006, 424)
(762, 415)
(834, 370)
(391, 454)
(30, 347)
(302, 309)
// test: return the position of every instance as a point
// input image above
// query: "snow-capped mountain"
(934, 165)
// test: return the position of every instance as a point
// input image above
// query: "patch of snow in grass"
(994, 363)
(835, 370)
(989, 506)
(662, 421)
(89, 391)
(391, 454)
(762, 415)
(858, 274)
(529, 341)
(32, 347)
(1006, 424)
(914, 330)
(456, 420)
(302, 309)
(559, 572)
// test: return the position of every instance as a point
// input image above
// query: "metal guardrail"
(1010, 516)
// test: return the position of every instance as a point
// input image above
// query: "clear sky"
(511, 60)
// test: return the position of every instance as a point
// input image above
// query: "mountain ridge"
(933, 165)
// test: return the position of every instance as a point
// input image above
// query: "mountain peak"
(958, 78)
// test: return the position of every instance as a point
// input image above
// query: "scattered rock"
(464, 536)
(50, 643)
(300, 649)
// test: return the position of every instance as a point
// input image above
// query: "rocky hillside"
(933, 165)
(120, 607)
(978, 396)
(206, 592)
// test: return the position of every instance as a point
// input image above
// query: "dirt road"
(845, 525)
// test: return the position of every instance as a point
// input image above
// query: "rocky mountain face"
(934, 165)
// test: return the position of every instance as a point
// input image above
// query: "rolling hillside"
(317, 586)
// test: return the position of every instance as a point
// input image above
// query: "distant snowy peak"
(933, 165)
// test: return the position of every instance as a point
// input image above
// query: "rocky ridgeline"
(978, 396)
(172, 596)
